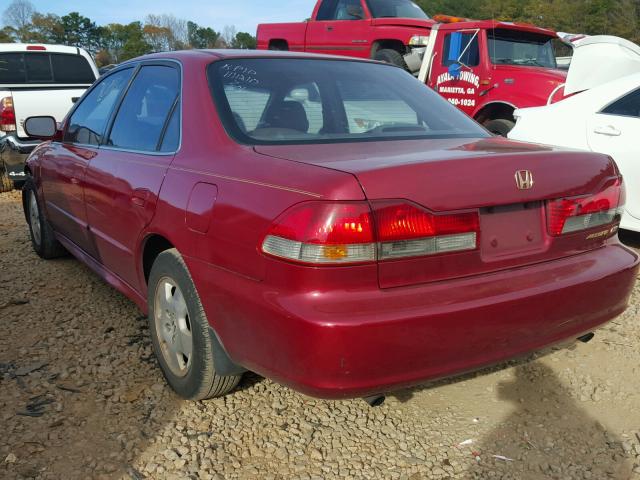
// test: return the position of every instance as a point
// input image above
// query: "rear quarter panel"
(293, 33)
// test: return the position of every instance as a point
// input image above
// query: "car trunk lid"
(451, 176)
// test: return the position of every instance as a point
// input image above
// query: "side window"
(89, 120)
(349, 10)
(144, 111)
(456, 43)
(171, 138)
(627, 106)
(308, 96)
(326, 10)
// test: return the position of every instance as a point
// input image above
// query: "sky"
(244, 14)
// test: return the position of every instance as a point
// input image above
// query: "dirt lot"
(81, 397)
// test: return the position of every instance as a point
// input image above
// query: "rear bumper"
(352, 344)
(13, 156)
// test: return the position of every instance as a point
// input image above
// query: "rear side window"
(627, 106)
(461, 47)
(48, 68)
(89, 120)
(171, 137)
(145, 110)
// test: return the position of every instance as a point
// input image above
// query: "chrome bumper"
(13, 155)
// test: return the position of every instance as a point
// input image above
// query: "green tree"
(80, 31)
(201, 37)
(244, 40)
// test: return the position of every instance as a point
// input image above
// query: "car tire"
(500, 126)
(43, 240)
(180, 332)
(393, 57)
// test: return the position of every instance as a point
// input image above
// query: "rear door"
(342, 27)
(615, 131)
(64, 164)
(44, 83)
(124, 179)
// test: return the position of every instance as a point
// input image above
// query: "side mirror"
(43, 128)
(355, 11)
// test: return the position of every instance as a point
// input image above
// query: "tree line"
(593, 17)
(115, 42)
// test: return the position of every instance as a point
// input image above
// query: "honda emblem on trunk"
(524, 179)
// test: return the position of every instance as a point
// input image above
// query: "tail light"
(323, 233)
(350, 232)
(568, 215)
(407, 230)
(7, 115)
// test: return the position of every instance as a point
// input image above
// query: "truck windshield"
(516, 47)
(45, 68)
(304, 101)
(395, 9)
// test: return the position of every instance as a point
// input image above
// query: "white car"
(605, 119)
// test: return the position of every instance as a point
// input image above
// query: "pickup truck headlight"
(419, 41)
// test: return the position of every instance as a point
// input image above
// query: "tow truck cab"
(488, 69)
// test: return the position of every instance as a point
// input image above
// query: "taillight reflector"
(7, 115)
(320, 232)
(339, 233)
(568, 215)
(407, 230)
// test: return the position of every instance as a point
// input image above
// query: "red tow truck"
(486, 68)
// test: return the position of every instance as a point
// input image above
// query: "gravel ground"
(81, 396)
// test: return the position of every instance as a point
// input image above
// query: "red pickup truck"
(386, 30)
(486, 68)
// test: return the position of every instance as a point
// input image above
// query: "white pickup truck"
(35, 80)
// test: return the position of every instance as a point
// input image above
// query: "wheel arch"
(152, 246)
(494, 111)
(278, 42)
(388, 43)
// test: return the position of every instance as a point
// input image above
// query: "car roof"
(231, 54)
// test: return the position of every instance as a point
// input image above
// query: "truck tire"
(393, 57)
(180, 332)
(43, 240)
(500, 126)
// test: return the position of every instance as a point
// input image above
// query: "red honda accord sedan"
(329, 223)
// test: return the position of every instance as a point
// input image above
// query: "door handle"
(329, 28)
(609, 131)
(139, 197)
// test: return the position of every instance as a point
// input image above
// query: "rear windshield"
(48, 68)
(294, 101)
(395, 9)
(513, 47)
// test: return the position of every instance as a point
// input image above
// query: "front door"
(614, 131)
(123, 181)
(458, 68)
(343, 27)
(64, 170)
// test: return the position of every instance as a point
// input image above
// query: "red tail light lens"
(342, 233)
(568, 215)
(7, 115)
(323, 233)
(407, 230)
